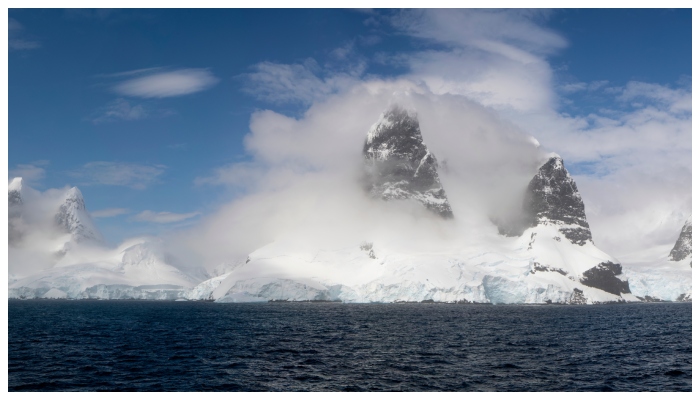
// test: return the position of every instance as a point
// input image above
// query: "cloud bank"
(480, 98)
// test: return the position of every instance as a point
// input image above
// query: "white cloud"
(137, 176)
(163, 217)
(109, 212)
(511, 29)
(32, 172)
(304, 179)
(17, 39)
(236, 175)
(676, 100)
(167, 84)
(633, 165)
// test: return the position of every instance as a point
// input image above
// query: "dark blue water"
(188, 346)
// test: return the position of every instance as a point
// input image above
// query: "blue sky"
(139, 107)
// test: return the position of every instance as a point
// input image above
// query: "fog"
(304, 184)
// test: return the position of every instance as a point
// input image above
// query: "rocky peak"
(399, 164)
(73, 218)
(552, 197)
(684, 244)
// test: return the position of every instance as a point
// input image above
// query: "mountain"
(552, 257)
(560, 237)
(73, 218)
(669, 277)
(399, 165)
(83, 267)
(545, 254)
(137, 269)
(684, 245)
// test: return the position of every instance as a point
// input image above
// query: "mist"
(304, 184)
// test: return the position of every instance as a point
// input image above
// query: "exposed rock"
(684, 244)
(400, 166)
(537, 267)
(367, 246)
(685, 297)
(604, 277)
(577, 297)
(551, 197)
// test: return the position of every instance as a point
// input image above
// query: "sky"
(192, 122)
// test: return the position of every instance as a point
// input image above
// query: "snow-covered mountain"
(399, 164)
(75, 262)
(73, 218)
(546, 254)
(668, 278)
(543, 252)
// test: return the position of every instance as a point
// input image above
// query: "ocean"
(90, 345)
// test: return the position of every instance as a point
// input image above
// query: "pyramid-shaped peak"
(552, 197)
(399, 164)
(395, 121)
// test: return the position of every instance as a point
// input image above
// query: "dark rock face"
(684, 244)
(577, 297)
(537, 267)
(604, 277)
(400, 166)
(552, 197)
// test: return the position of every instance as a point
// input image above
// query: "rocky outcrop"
(684, 245)
(604, 276)
(399, 165)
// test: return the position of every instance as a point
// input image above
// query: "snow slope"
(669, 277)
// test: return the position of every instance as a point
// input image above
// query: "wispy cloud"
(137, 176)
(583, 86)
(298, 83)
(32, 172)
(163, 217)
(166, 84)
(677, 100)
(109, 212)
(134, 72)
(119, 110)
(17, 39)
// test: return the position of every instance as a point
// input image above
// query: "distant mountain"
(83, 267)
(399, 164)
(73, 218)
(668, 278)
(684, 245)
